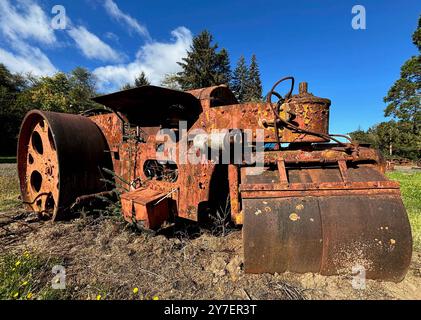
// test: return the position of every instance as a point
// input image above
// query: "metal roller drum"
(329, 228)
(60, 157)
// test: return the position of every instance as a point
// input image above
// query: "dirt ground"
(103, 256)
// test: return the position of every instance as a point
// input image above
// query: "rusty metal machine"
(309, 203)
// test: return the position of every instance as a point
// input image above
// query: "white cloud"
(28, 59)
(154, 58)
(25, 20)
(114, 11)
(92, 46)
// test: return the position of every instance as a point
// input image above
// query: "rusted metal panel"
(217, 95)
(147, 206)
(275, 241)
(367, 185)
(326, 153)
(233, 178)
(111, 127)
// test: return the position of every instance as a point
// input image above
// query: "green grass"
(28, 277)
(411, 193)
(4, 159)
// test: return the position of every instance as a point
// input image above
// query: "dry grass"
(105, 258)
(9, 187)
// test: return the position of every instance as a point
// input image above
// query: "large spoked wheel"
(60, 157)
(40, 169)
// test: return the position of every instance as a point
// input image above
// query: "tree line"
(63, 92)
(400, 137)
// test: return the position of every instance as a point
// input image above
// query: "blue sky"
(311, 40)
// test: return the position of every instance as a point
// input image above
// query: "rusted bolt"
(49, 170)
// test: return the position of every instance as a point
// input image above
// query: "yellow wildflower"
(16, 295)
(29, 295)
(155, 298)
(24, 283)
(135, 290)
(17, 263)
(98, 297)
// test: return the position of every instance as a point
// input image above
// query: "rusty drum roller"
(60, 157)
(327, 229)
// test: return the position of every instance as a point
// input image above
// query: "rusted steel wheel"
(60, 157)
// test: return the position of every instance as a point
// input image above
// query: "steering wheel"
(281, 99)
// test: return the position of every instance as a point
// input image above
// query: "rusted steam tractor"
(320, 205)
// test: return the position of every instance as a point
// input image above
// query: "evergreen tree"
(126, 86)
(141, 80)
(223, 68)
(204, 66)
(254, 84)
(239, 79)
